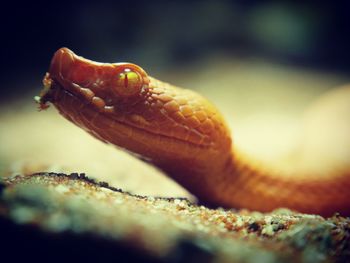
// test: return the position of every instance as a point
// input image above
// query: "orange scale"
(192, 122)
(87, 93)
(159, 104)
(207, 126)
(109, 109)
(201, 115)
(139, 120)
(171, 106)
(178, 117)
(196, 106)
(186, 110)
(195, 137)
(181, 101)
(157, 91)
(163, 97)
(98, 102)
(160, 119)
(180, 131)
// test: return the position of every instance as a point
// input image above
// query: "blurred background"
(261, 62)
(169, 34)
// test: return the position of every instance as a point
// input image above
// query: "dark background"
(165, 35)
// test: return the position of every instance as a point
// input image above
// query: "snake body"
(181, 133)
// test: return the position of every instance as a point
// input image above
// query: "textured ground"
(77, 218)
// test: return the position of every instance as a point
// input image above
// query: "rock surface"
(57, 216)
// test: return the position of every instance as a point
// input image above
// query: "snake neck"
(242, 183)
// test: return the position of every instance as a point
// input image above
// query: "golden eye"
(128, 83)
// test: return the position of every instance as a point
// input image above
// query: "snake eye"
(128, 83)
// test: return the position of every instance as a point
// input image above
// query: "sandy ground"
(263, 104)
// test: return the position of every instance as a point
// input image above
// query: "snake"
(183, 134)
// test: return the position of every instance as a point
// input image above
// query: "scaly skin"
(180, 132)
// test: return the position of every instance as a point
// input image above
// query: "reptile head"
(120, 104)
(101, 84)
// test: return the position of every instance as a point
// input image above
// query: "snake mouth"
(60, 66)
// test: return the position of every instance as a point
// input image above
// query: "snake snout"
(62, 62)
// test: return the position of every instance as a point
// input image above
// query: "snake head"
(120, 104)
(101, 84)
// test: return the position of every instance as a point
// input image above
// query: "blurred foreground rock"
(55, 217)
